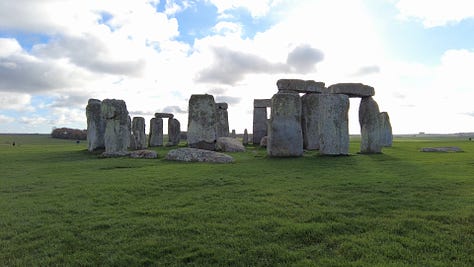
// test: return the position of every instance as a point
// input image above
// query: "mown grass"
(61, 205)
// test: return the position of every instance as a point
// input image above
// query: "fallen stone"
(118, 154)
(229, 144)
(351, 89)
(198, 155)
(442, 149)
(144, 154)
(300, 86)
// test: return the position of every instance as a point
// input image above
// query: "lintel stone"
(351, 89)
(164, 115)
(300, 86)
(262, 103)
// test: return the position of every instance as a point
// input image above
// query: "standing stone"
(386, 131)
(138, 137)
(285, 137)
(245, 139)
(117, 126)
(174, 132)
(95, 125)
(222, 120)
(310, 121)
(260, 119)
(333, 124)
(202, 122)
(156, 132)
(370, 126)
(233, 134)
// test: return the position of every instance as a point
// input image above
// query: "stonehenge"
(138, 138)
(155, 137)
(334, 125)
(202, 122)
(310, 118)
(174, 132)
(386, 130)
(117, 126)
(370, 126)
(222, 120)
(260, 119)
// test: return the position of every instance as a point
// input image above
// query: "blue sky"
(55, 55)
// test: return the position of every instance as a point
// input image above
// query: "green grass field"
(60, 205)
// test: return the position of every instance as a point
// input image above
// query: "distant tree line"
(68, 133)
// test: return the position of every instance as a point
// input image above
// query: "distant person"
(13, 144)
(470, 139)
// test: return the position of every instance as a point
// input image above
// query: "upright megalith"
(310, 118)
(245, 139)
(260, 119)
(138, 137)
(156, 132)
(370, 126)
(202, 122)
(386, 130)
(285, 137)
(174, 132)
(222, 120)
(334, 124)
(95, 125)
(117, 126)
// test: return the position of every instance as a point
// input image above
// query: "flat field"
(60, 205)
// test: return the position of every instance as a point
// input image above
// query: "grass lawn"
(60, 205)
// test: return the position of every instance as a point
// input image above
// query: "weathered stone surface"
(222, 120)
(174, 132)
(264, 141)
(117, 154)
(300, 86)
(198, 155)
(245, 139)
(117, 126)
(202, 122)
(351, 89)
(370, 126)
(285, 137)
(229, 144)
(95, 125)
(164, 115)
(138, 137)
(386, 130)
(156, 132)
(262, 103)
(442, 149)
(259, 124)
(233, 134)
(144, 154)
(333, 124)
(310, 121)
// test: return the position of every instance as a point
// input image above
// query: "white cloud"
(436, 13)
(5, 119)
(16, 102)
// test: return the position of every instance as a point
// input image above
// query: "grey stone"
(174, 132)
(259, 124)
(116, 154)
(233, 134)
(245, 139)
(333, 124)
(285, 136)
(117, 125)
(95, 125)
(310, 121)
(300, 86)
(351, 89)
(262, 103)
(386, 130)
(144, 154)
(156, 132)
(198, 155)
(164, 115)
(264, 141)
(202, 122)
(138, 137)
(222, 120)
(229, 144)
(442, 149)
(370, 126)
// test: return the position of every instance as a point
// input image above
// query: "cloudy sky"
(154, 54)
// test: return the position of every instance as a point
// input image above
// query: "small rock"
(144, 154)
(198, 155)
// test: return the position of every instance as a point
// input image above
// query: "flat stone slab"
(198, 155)
(164, 115)
(229, 144)
(262, 103)
(351, 89)
(119, 154)
(300, 86)
(442, 149)
(144, 154)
